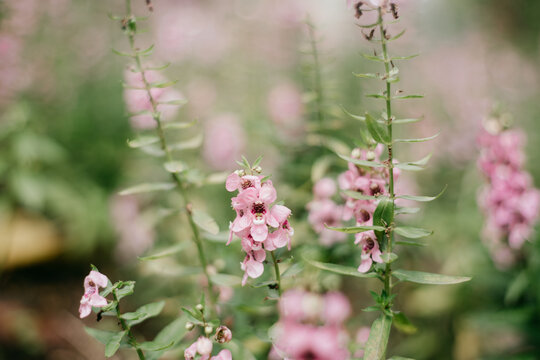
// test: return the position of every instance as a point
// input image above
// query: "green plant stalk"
(156, 115)
(317, 73)
(388, 250)
(278, 275)
(131, 339)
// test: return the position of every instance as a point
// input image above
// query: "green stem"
(156, 115)
(388, 270)
(317, 71)
(278, 275)
(131, 339)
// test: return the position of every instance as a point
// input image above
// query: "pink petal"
(267, 194)
(365, 265)
(280, 212)
(98, 301)
(241, 223)
(254, 269)
(259, 232)
(84, 310)
(98, 278)
(233, 182)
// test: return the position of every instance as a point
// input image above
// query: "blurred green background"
(249, 64)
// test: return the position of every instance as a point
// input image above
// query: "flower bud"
(199, 307)
(370, 156)
(189, 326)
(208, 330)
(356, 153)
(257, 169)
(204, 346)
(223, 334)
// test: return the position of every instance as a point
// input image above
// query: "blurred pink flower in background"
(509, 201)
(362, 336)
(311, 326)
(286, 109)
(136, 235)
(137, 100)
(224, 141)
(324, 211)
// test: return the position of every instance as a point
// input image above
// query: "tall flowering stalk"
(369, 189)
(153, 106)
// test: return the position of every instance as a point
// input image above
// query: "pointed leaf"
(175, 166)
(164, 253)
(412, 232)
(340, 269)
(163, 84)
(403, 324)
(416, 140)
(179, 125)
(193, 143)
(421, 277)
(111, 339)
(377, 130)
(403, 97)
(142, 141)
(406, 121)
(367, 75)
(356, 229)
(373, 58)
(414, 165)
(148, 187)
(205, 221)
(409, 243)
(366, 163)
(378, 338)
(126, 288)
(404, 57)
(356, 117)
(397, 36)
(406, 210)
(383, 216)
(422, 198)
(144, 312)
(377, 96)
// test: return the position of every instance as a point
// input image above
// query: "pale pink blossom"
(222, 355)
(370, 250)
(362, 336)
(204, 345)
(286, 109)
(224, 141)
(323, 211)
(91, 297)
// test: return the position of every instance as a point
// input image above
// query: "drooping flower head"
(91, 297)
(260, 224)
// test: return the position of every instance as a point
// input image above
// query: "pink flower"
(324, 188)
(286, 109)
(191, 352)
(223, 334)
(336, 308)
(362, 337)
(224, 141)
(91, 296)
(222, 355)
(370, 250)
(204, 346)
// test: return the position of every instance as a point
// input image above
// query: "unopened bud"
(370, 156)
(257, 169)
(223, 334)
(356, 153)
(199, 307)
(189, 326)
(208, 330)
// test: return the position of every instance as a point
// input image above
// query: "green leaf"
(356, 229)
(177, 102)
(422, 198)
(192, 143)
(406, 121)
(409, 243)
(148, 187)
(194, 317)
(356, 117)
(389, 258)
(402, 323)
(125, 288)
(378, 338)
(369, 26)
(403, 97)
(257, 161)
(111, 339)
(226, 280)
(205, 221)
(421, 277)
(163, 84)
(377, 96)
(516, 288)
(155, 346)
(414, 165)
(412, 232)
(397, 36)
(142, 141)
(367, 75)
(377, 130)
(122, 53)
(174, 332)
(359, 196)
(383, 216)
(373, 58)
(400, 358)
(340, 269)
(404, 57)
(175, 166)
(406, 210)
(359, 162)
(144, 312)
(416, 140)
(164, 253)
(179, 125)
(293, 270)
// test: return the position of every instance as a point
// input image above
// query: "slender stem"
(278, 275)
(388, 270)
(317, 72)
(131, 339)
(156, 115)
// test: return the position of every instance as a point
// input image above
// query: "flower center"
(375, 189)
(246, 184)
(364, 215)
(258, 208)
(369, 244)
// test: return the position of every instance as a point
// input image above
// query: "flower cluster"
(91, 296)
(311, 326)
(324, 211)
(203, 346)
(369, 182)
(509, 200)
(138, 102)
(260, 225)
